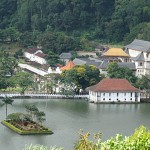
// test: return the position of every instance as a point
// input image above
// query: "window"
(103, 69)
(117, 94)
(103, 94)
(99, 94)
(131, 94)
(140, 63)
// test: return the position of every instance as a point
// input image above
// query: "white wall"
(141, 70)
(33, 57)
(57, 70)
(39, 60)
(133, 53)
(113, 97)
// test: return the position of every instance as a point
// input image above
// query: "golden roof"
(116, 52)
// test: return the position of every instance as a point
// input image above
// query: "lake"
(67, 117)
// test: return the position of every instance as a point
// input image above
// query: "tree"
(23, 79)
(144, 84)
(52, 58)
(52, 82)
(35, 114)
(7, 62)
(39, 117)
(114, 71)
(29, 38)
(6, 101)
(81, 76)
(8, 65)
(138, 140)
(12, 34)
(18, 117)
(58, 42)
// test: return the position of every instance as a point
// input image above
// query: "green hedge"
(23, 132)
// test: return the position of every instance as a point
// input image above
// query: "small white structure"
(114, 90)
(56, 70)
(35, 54)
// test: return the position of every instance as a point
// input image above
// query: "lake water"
(67, 117)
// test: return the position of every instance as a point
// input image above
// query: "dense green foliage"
(114, 71)
(35, 114)
(106, 20)
(81, 76)
(144, 84)
(140, 140)
(22, 79)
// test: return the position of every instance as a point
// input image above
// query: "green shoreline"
(23, 132)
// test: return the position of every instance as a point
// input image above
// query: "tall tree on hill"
(7, 63)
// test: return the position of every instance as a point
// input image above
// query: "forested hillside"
(74, 21)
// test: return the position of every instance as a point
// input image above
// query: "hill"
(76, 22)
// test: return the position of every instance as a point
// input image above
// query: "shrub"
(140, 140)
(40, 147)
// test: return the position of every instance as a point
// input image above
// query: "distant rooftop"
(139, 57)
(68, 66)
(39, 54)
(65, 55)
(139, 45)
(116, 52)
(32, 50)
(87, 61)
(109, 85)
(129, 65)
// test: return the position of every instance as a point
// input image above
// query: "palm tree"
(6, 101)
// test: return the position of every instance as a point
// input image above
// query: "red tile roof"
(32, 50)
(110, 85)
(39, 54)
(69, 65)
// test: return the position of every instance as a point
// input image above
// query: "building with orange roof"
(116, 54)
(114, 90)
(68, 66)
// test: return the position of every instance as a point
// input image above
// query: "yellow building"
(116, 54)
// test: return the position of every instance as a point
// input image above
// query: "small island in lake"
(26, 124)
(26, 127)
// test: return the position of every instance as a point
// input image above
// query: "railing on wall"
(42, 95)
